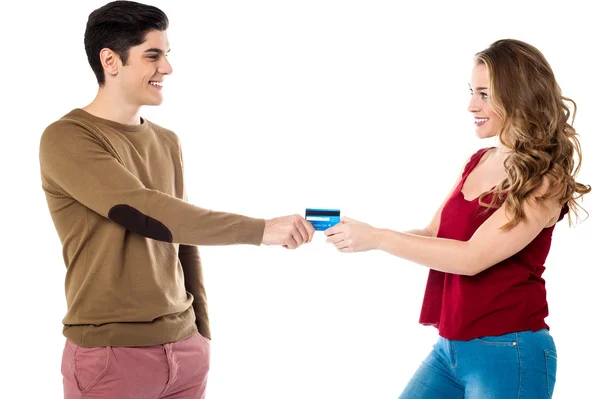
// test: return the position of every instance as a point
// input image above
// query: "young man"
(136, 324)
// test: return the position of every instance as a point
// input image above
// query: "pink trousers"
(176, 370)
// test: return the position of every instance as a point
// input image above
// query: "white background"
(283, 105)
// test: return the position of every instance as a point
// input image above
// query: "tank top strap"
(563, 212)
(475, 158)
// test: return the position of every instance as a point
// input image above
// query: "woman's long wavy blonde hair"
(535, 129)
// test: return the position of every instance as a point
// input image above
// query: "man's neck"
(113, 107)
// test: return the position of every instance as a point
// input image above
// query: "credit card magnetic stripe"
(322, 219)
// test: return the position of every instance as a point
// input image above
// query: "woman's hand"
(352, 236)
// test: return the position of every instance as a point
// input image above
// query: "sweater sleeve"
(76, 163)
(189, 256)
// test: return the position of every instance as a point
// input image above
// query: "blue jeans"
(513, 366)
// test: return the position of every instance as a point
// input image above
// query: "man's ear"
(110, 61)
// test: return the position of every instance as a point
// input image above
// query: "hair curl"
(535, 129)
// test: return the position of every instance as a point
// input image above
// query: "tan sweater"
(116, 195)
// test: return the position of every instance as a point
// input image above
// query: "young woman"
(487, 244)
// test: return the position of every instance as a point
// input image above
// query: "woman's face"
(487, 122)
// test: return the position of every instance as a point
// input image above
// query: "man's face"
(141, 79)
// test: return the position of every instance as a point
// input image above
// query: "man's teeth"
(159, 84)
(481, 120)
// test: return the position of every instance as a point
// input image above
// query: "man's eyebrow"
(156, 50)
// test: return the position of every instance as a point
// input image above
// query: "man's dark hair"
(119, 25)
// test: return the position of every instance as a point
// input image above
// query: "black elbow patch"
(135, 221)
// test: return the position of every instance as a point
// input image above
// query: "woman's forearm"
(419, 232)
(445, 255)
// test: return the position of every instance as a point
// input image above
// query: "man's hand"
(288, 231)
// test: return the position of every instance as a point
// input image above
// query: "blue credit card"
(322, 219)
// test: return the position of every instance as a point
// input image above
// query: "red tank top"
(507, 297)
